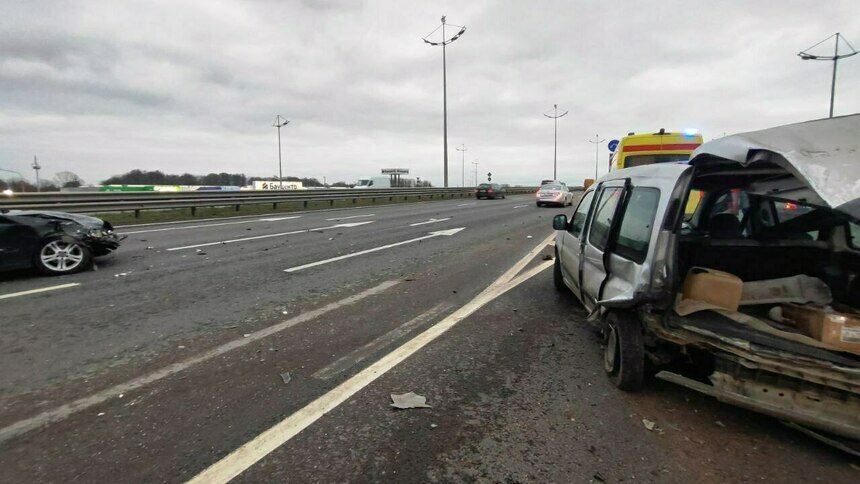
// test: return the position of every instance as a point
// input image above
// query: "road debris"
(547, 257)
(648, 424)
(529, 237)
(720, 424)
(121, 274)
(409, 400)
(149, 247)
(433, 426)
(286, 377)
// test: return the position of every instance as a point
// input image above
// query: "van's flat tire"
(624, 354)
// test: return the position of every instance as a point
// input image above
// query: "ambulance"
(659, 147)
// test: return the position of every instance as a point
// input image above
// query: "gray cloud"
(193, 86)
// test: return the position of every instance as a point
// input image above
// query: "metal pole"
(596, 142)
(555, 143)
(833, 82)
(476, 172)
(280, 167)
(444, 103)
(36, 168)
(462, 149)
(555, 117)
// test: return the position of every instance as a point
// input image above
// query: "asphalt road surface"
(266, 349)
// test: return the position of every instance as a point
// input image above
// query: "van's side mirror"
(559, 222)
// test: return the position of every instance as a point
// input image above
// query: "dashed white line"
(360, 354)
(351, 216)
(431, 221)
(375, 249)
(37, 291)
(268, 236)
(466, 204)
(520, 206)
(210, 225)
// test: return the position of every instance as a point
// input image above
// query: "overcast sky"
(99, 88)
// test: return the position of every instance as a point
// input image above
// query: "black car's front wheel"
(60, 255)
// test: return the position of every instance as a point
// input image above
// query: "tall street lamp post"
(805, 55)
(596, 142)
(445, 41)
(279, 123)
(462, 148)
(554, 118)
(36, 167)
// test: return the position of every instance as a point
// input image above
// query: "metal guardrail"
(101, 202)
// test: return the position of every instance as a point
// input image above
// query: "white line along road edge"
(251, 452)
(267, 236)
(63, 411)
(375, 249)
(37, 291)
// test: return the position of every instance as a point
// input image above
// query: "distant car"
(491, 190)
(555, 193)
(56, 243)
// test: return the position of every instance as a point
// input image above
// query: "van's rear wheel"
(624, 355)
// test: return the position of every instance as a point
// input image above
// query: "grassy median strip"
(184, 214)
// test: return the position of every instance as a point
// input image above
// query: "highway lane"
(516, 388)
(68, 337)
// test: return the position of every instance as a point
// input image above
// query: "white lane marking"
(251, 452)
(360, 354)
(375, 249)
(209, 225)
(520, 206)
(267, 236)
(41, 289)
(63, 411)
(351, 216)
(466, 204)
(431, 221)
(277, 219)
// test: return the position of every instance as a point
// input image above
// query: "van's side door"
(607, 207)
(570, 244)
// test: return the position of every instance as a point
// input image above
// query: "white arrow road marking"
(375, 249)
(431, 221)
(520, 206)
(351, 216)
(36, 291)
(210, 225)
(267, 236)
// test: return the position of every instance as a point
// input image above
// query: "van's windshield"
(364, 183)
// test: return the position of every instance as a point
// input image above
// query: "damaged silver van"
(754, 296)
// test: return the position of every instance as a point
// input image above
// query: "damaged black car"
(55, 243)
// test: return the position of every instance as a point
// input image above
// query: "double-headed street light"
(462, 148)
(445, 41)
(596, 142)
(554, 118)
(279, 123)
(805, 55)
